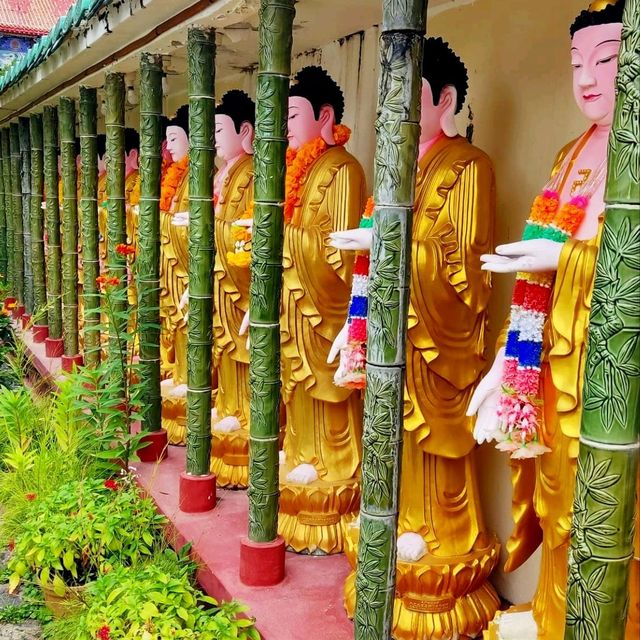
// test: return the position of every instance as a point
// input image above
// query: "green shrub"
(83, 530)
(153, 602)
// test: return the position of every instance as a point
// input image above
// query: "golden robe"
(446, 592)
(323, 422)
(174, 276)
(543, 488)
(230, 454)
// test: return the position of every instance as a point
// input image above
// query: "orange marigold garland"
(171, 181)
(298, 164)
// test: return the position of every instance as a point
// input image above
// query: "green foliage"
(31, 607)
(84, 529)
(154, 602)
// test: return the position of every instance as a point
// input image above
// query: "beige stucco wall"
(520, 98)
(521, 106)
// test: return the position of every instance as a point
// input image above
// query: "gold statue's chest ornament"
(585, 174)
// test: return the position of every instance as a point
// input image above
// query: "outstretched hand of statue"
(352, 239)
(245, 222)
(532, 256)
(339, 343)
(244, 328)
(180, 219)
(184, 302)
(484, 402)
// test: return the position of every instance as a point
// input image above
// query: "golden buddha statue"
(319, 480)
(445, 553)
(233, 194)
(174, 274)
(544, 482)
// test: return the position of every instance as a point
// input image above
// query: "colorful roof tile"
(31, 17)
(78, 12)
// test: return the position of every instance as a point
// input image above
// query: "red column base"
(25, 319)
(155, 447)
(69, 362)
(262, 563)
(18, 312)
(8, 302)
(197, 493)
(40, 333)
(53, 347)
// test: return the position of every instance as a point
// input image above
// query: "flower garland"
(519, 405)
(351, 372)
(171, 181)
(298, 161)
(241, 255)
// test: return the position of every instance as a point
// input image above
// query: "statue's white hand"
(339, 343)
(180, 219)
(184, 300)
(528, 255)
(244, 328)
(245, 222)
(484, 402)
(352, 239)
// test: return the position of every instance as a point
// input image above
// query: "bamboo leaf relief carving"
(605, 494)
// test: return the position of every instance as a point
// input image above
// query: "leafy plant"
(31, 607)
(84, 529)
(155, 601)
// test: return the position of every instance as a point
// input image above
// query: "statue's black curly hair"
(320, 89)
(442, 67)
(611, 14)
(131, 139)
(238, 106)
(101, 141)
(181, 119)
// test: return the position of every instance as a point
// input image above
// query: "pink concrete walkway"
(307, 605)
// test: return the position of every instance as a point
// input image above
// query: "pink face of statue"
(177, 142)
(302, 123)
(594, 57)
(430, 115)
(131, 161)
(102, 165)
(228, 140)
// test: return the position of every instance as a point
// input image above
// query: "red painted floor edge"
(307, 605)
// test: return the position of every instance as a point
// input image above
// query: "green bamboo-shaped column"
(397, 136)
(274, 68)
(16, 211)
(54, 257)
(37, 219)
(605, 494)
(114, 90)
(88, 117)
(67, 116)
(148, 258)
(201, 57)
(25, 188)
(8, 207)
(3, 225)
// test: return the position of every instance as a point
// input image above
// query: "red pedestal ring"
(18, 312)
(197, 493)
(262, 563)
(25, 319)
(40, 333)
(155, 447)
(68, 362)
(53, 347)
(9, 301)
